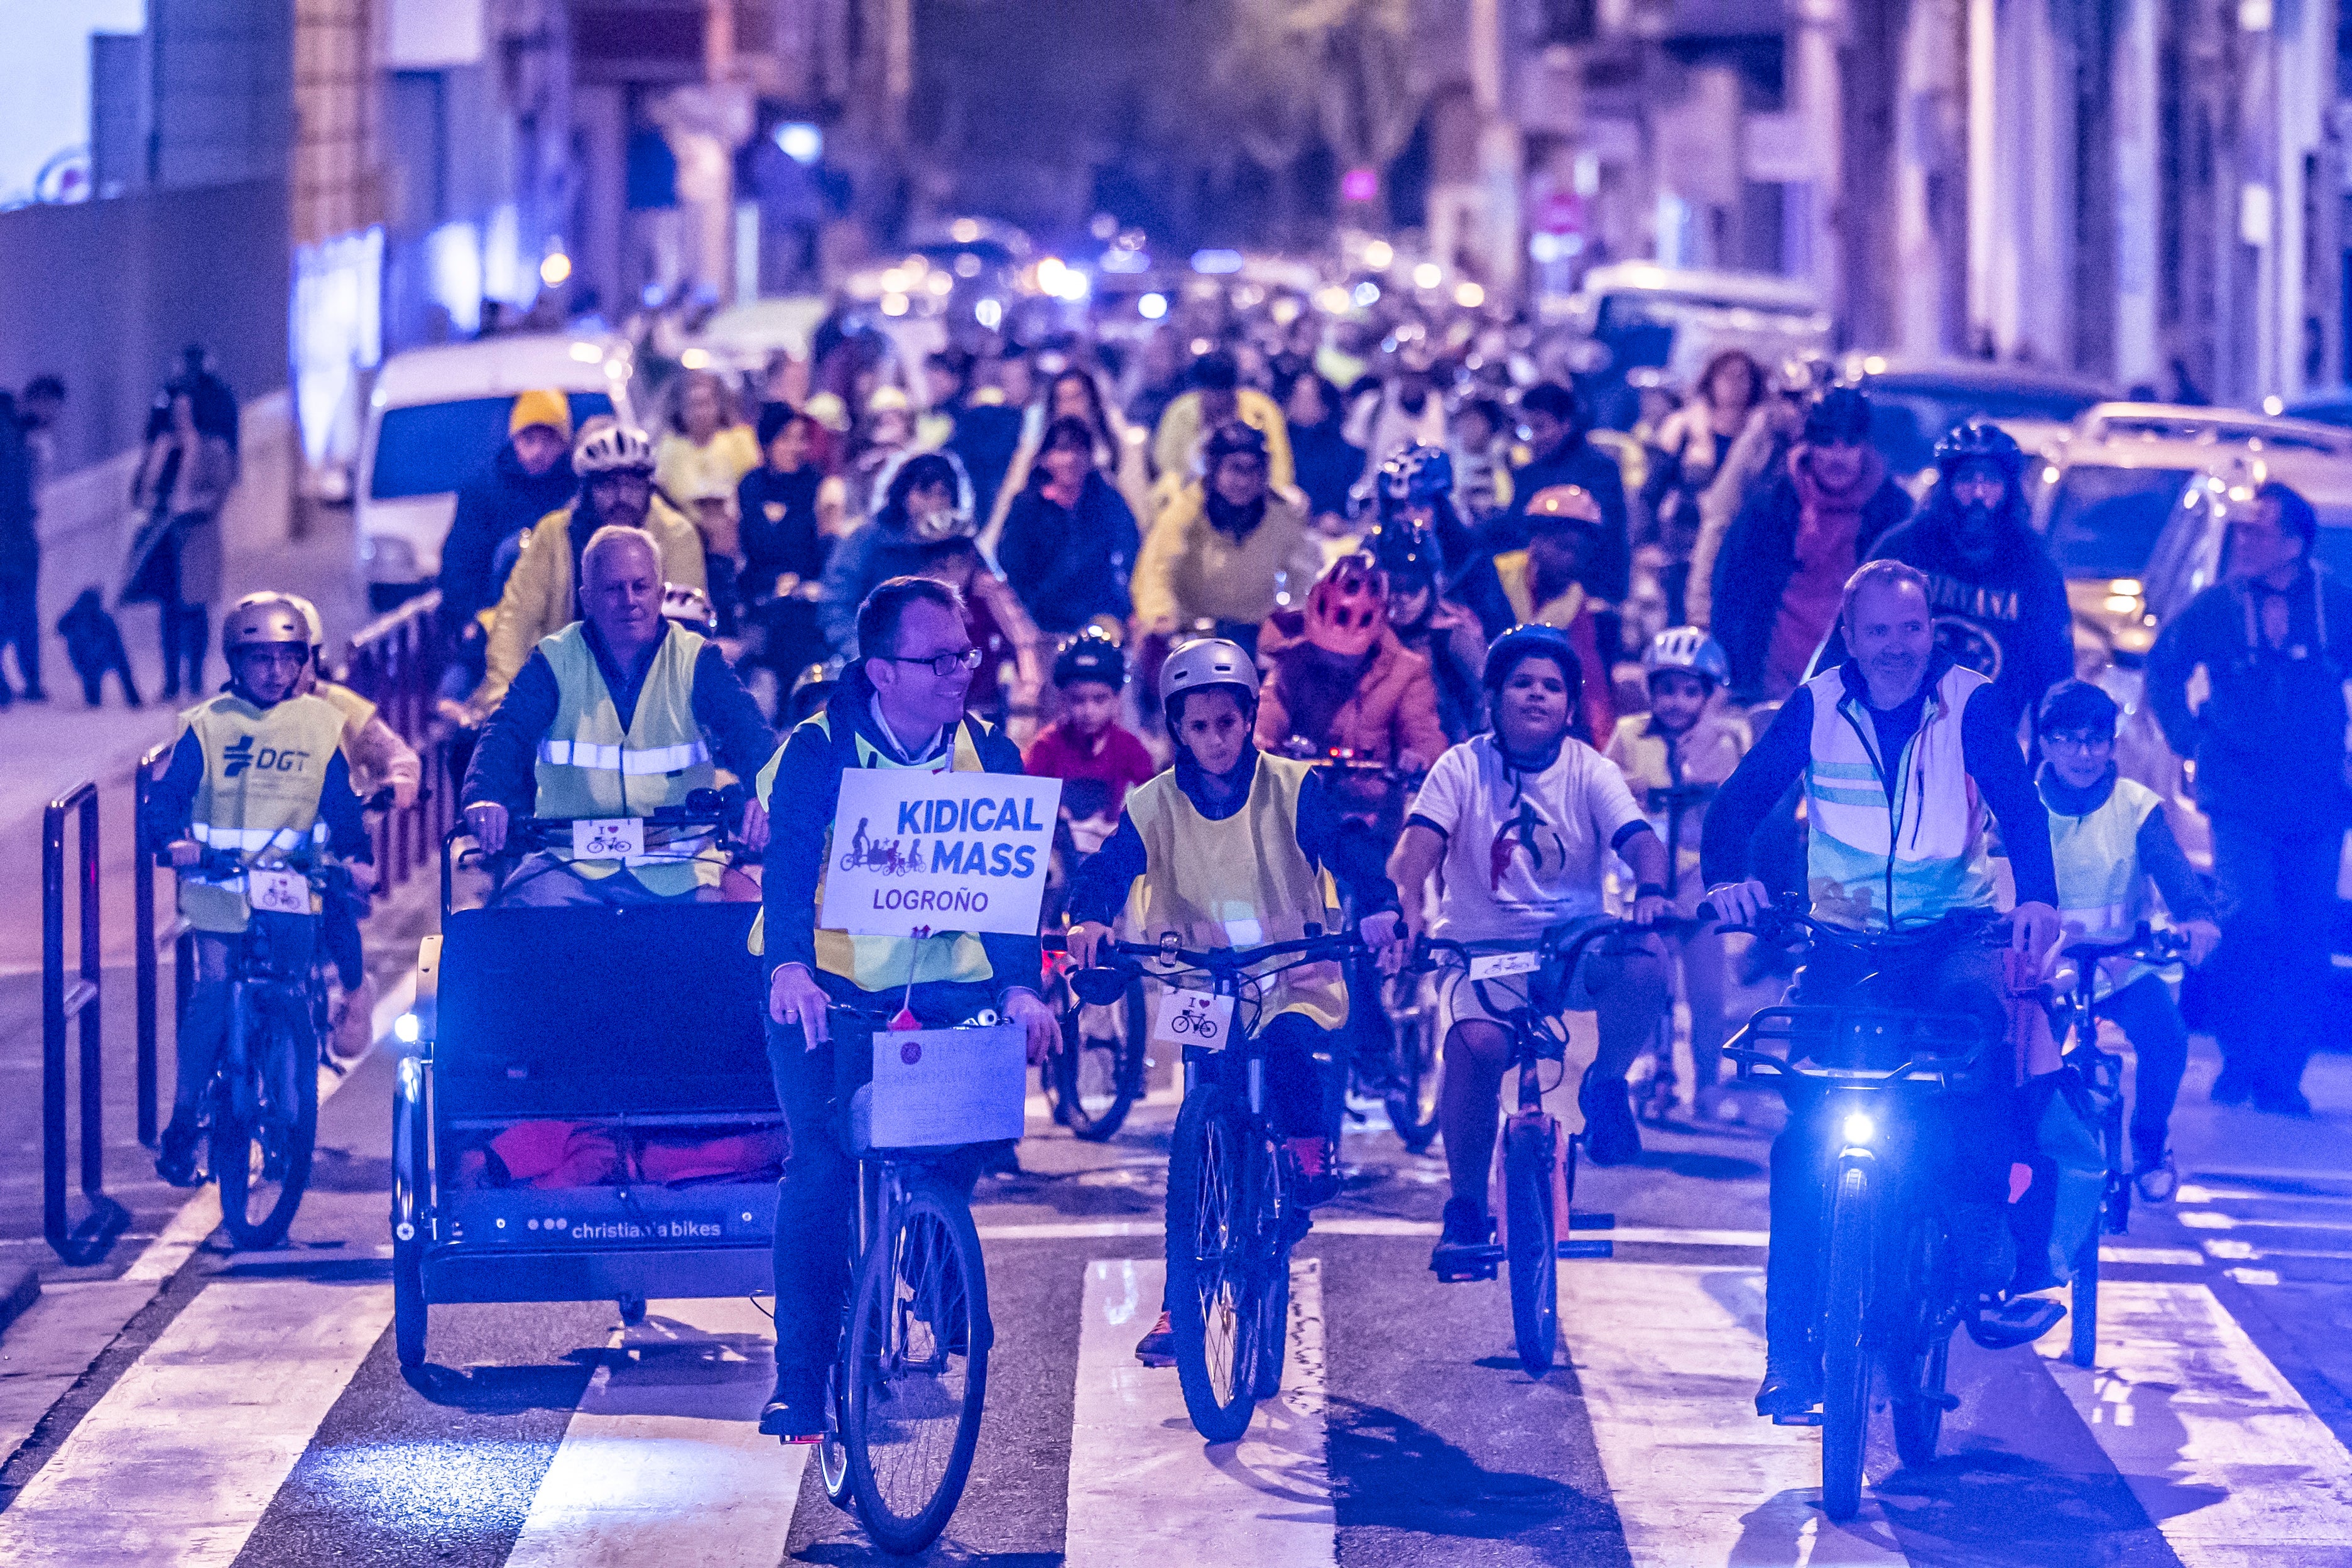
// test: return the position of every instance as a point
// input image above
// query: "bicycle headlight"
(1859, 1128)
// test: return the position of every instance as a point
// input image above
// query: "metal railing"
(147, 944)
(395, 662)
(78, 1005)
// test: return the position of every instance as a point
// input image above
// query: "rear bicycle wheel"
(919, 1343)
(1845, 1359)
(1530, 1149)
(1919, 1422)
(2082, 1343)
(261, 1150)
(1410, 1095)
(1219, 1173)
(1096, 1081)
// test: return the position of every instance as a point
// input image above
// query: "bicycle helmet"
(608, 446)
(1091, 656)
(810, 688)
(1408, 552)
(1563, 506)
(1414, 475)
(1842, 414)
(1233, 438)
(1348, 605)
(1978, 441)
(308, 612)
(1202, 663)
(1528, 641)
(1690, 650)
(265, 620)
(687, 606)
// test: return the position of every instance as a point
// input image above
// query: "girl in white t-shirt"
(1518, 825)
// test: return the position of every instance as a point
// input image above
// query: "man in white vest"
(616, 716)
(1900, 752)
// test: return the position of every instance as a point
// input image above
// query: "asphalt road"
(254, 1413)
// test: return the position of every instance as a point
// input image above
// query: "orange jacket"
(1388, 709)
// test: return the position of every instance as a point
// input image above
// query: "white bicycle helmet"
(606, 446)
(309, 612)
(687, 606)
(1204, 662)
(1689, 649)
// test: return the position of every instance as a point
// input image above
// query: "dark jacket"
(987, 436)
(496, 504)
(1760, 555)
(1069, 564)
(1326, 465)
(780, 528)
(1576, 461)
(20, 546)
(2008, 620)
(2269, 740)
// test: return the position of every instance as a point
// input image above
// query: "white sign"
(609, 838)
(914, 853)
(1201, 1019)
(278, 892)
(938, 1088)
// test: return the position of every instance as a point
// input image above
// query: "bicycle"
(1539, 1163)
(1091, 1081)
(1234, 1209)
(1892, 1296)
(1656, 1097)
(2097, 1090)
(703, 824)
(910, 1379)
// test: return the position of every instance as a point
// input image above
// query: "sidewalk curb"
(20, 1287)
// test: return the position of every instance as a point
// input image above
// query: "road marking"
(663, 1461)
(174, 1467)
(2156, 1256)
(1668, 1358)
(1145, 1492)
(2229, 1461)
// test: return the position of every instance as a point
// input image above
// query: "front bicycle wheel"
(919, 1343)
(1410, 1092)
(1530, 1148)
(2083, 1345)
(1845, 1358)
(1221, 1175)
(261, 1144)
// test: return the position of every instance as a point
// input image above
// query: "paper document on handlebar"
(1495, 965)
(939, 1088)
(913, 852)
(1200, 1019)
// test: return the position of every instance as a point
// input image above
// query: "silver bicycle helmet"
(1205, 662)
(1690, 650)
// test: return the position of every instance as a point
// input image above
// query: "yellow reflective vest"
(591, 767)
(264, 769)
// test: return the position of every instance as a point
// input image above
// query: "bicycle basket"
(937, 1088)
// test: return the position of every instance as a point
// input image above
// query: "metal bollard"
(89, 1240)
(146, 945)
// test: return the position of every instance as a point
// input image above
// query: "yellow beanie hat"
(542, 406)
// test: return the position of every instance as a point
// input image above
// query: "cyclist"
(900, 706)
(378, 758)
(1226, 548)
(1229, 847)
(1542, 583)
(1097, 758)
(258, 770)
(1686, 738)
(1899, 750)
(1414, 489)
(2110, 840)
(1339, 679)
(1432, 626)
(1518, 825)
(620, 714)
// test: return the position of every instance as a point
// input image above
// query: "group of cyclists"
(1411, 722)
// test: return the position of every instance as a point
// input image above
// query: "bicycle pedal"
(1809, 1418)
(1590, 1219)
(1467, 1264)
(1584, 1248)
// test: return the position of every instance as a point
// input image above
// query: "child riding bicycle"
(1518, 824)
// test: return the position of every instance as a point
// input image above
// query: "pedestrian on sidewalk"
(2274, 640)
(22, 424)
(175, 558)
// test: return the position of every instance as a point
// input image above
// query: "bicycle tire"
(2082, 1337)
(1411, 1094)
(233, 1148)
(1097, 1083)
(831, 1453)
(1845, 1359)
(921, 1287)
(1217, 1171)
(411, 1318)
(1271, 1344)
(1919, 1423)
(1529, 1149)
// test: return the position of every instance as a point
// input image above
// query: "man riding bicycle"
(901, 706)
(1900, 751)
(258, 770)
(1231, 847)
(1519, 824)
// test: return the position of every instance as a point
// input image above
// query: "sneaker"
(355, 1029)
(796, 1410)
(1464, 1249)
(1317, 1161)
(176, 1159)
(2156, 1180)
(1157, 1347)
(1792, 1386)
(1611, 1137)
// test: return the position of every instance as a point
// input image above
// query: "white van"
(436, 418)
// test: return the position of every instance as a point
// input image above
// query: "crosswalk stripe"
(2224, 1455)
(663, 1461)
(1144, 1492)
(174, 1467)
(1669, 1358)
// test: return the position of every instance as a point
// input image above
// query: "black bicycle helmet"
(1231, 438)
(1840, 413)
(1408, 552)
(1091, 656)
(1535, 641)
(1978, 441)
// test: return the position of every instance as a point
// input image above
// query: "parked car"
(1913, 401)
(438, 415)
(1639, 315)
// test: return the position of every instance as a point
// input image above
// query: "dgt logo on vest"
(241, 754)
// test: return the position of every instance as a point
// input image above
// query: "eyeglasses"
(2086, 741)
(943, 665)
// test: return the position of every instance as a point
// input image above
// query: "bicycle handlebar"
(2145, 943)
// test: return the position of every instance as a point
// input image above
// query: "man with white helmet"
(1231, 845)
(615, 465)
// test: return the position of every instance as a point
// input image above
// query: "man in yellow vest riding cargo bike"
(613, 718)
(259, 774)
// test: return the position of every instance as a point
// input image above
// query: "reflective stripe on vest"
(589, 767)
(1238, 882)
(264, 768)
(1917, 851)
(249, 839)
(2101, 893)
